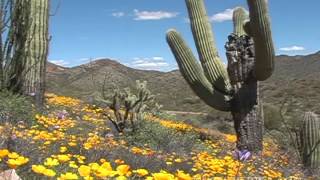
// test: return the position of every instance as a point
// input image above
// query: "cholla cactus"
(250, 54)
(134, 104)
(310, 141)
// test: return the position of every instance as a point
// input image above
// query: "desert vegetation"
(125, 133)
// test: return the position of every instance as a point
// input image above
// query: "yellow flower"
(141, 172)
(73, 164)
(121, 178)
(119, 161)
(13, 155)
(4, 153)
(39, 169)
(14, 163)
(63, 149)
(49, 173)
(47, 143)
(63, 158)
(231, 138)
(94, 166)
(87, 146)
(149, 178)
(183, 176)
(68, 176)
(123, 169)
(72, 144)
(163, 176)
(84, 171)
(107, 166)
(102, 172)
(51, 162)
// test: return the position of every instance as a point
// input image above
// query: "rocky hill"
(295, 80)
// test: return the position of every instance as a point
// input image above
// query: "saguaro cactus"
(310, 141)
(37, 50)
(250, 57)
(14, 22)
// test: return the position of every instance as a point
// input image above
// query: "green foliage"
(15, 108)
(272, 117)
(162, 138)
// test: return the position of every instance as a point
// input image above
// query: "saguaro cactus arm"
(259, 28)
(193, 73)
(213, 67)
(239, 17)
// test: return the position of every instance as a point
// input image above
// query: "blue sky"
(133, 31)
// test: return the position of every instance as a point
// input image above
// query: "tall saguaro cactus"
(14, 23)
(250, 59)
(310, 141)
(37, 50)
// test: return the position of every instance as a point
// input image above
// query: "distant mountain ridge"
(296, 77)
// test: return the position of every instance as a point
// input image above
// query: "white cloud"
(60, 62)
(118, 14)
(153, 15)
(186, 20)
(226, 15)
(293, 48)
(154, 63)
(157, 58)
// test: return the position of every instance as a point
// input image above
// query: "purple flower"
(62, 114)
(242, 155)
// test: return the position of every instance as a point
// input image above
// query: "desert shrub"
(162, 138)
(272, 117)
(15, 108)
(164, 115)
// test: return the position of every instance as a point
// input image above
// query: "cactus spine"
(310, 141)
(37, 50)
(234, 89)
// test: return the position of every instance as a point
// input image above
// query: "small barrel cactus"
(310, 141)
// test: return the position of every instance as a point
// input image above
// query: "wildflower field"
(74, 140)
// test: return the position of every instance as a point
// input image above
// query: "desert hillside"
(295, 80)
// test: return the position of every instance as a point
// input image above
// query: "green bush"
(272, 117)
(163, 139)
(15, 108)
